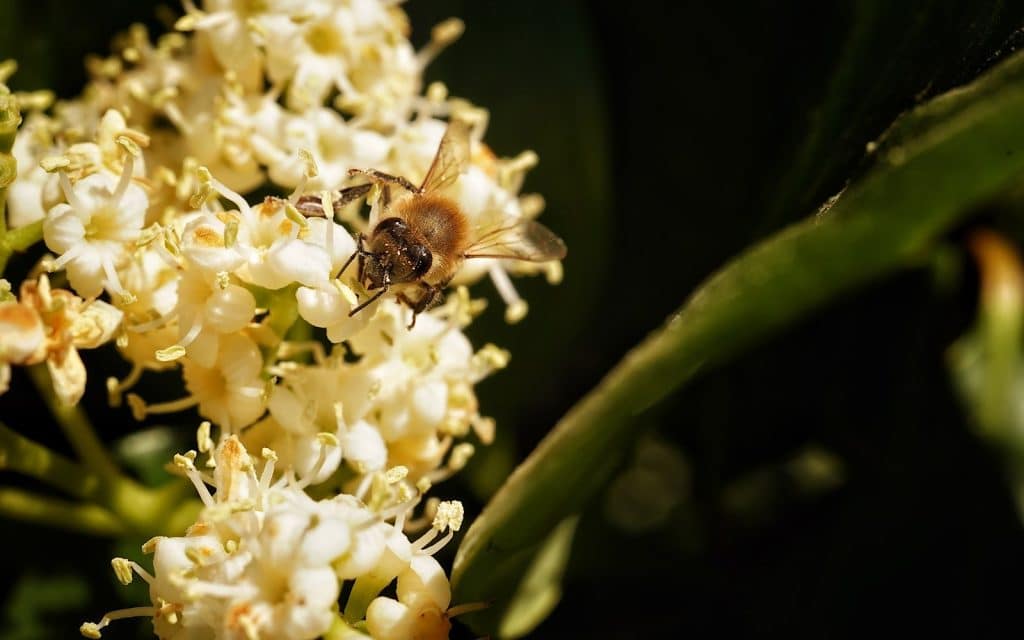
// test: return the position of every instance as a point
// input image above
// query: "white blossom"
(92, 230)
(266, 560)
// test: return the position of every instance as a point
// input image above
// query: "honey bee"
(423, 237)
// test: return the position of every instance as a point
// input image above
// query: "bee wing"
(451, 159)
(521, 240)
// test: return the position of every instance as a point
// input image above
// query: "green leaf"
(890, 55)
(939, 162)
(541, 588)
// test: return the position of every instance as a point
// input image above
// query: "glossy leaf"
(938, 163)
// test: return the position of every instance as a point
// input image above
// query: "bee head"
(397, 254)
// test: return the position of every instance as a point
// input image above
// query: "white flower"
(153, 282)
(329, 307)
(415, 386)
(207, 309)
(230, 27)
(303, 407)
(21, 332)
(324, 52)
(35, 191)
(364, 448)
(103, 214)
(224, 140)
(274, 254)
(421, 610)
(258, 563)
(264, 560)
(335, 146)
(205, 244)
(51, 325)
(230, 393)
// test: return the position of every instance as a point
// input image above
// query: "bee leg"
(312, 206)
(425, 301)
(380, 176)
(362, 257)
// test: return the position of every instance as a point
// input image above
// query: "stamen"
(140, 409)
(268, 469)
(424, 521)
(425, 539)
(203, 439)
(441, 36)
(116, 388)
(469, 607)
(113, 283)
(92, 629)
(402, 511)
(460, 455)
(326, 440)
(440, 544)
(232, 196)
(66, 257)
(364, 487)
(193, 331)
(69, 191)
(155, 323)
(186, 463)
(516, 307)
(329, 232)
(124, 567)
(125, 180)
(165, 253)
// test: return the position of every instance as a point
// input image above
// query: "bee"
(422, 237)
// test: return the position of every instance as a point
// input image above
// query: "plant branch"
(32, 459)
(37, 509)
(76, 427)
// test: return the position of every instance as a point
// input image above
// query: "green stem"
(22, 238)
(76, 427)
(10, 119)
(364, 590)
(32, 459)
(165, 509)
(85, 518)
(341, 630)
(8, 172)
(283, 311)
(17, 240)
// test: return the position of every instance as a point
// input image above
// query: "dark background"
(672, 135)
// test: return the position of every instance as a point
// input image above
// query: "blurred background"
(820, 484)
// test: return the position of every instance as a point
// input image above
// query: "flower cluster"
(145, 190)
(264, 560)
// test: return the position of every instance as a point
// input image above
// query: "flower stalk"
(76, 427)
(38, 509)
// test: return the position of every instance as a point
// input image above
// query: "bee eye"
(420, 258)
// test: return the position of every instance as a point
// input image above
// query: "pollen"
(205, 236)
(449, 516)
